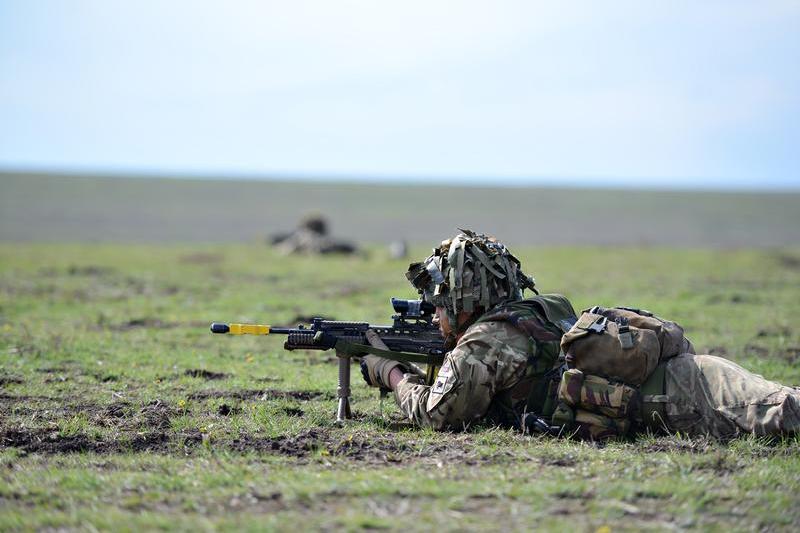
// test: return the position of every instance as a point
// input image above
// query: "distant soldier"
(533, 364)
(311, 237)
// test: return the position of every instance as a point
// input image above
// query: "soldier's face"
(442, 320)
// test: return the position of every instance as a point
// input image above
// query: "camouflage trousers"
(708, 395)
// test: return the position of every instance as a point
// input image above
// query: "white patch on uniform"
(438, 387)
(446, 371)
(445, 380)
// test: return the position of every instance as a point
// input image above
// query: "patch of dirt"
(201, 258)
(145, 322)
(791, 354)
(678, 445)
(45, 441)
(53, 370)
(650, 495)
(264, 503)
(719, 351)
(156, 439)
(720, 463)
(359, 447)
(791, 262)
(156, 415)
(227, 410)
(11, 398)
(269, 380)
(118, 410)
(781, 331)
(756, 350)
(261, 394)
(89, 270)
(292, 411)
(205, 374)
(10, 380)
(567, 460)
(575, 494)
(169, 290)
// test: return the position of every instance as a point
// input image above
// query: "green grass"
(107, 425)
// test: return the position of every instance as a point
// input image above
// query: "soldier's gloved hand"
(376, 370)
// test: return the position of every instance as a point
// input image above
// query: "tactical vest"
(543, 319)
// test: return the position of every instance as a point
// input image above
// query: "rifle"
(412, 338)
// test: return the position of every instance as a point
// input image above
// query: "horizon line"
(395, 180)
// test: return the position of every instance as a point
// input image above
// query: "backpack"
(543, 319)
(611, 355)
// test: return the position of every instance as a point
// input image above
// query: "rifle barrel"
(244, 329)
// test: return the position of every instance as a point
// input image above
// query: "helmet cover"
(467, 272)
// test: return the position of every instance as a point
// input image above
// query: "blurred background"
(544, 123)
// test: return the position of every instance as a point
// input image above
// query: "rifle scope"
(413, 308)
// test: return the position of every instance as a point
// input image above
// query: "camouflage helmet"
(467, 272)
(315, 223)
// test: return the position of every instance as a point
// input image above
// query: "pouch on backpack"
(587, 425)
(594, 426)
(670, 335)
(597, 394)
(602, 347)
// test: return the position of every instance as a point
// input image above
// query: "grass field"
(119, 410)
(48, 208)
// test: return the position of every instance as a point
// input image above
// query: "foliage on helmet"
(467, 272)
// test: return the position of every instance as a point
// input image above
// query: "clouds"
(510, 90)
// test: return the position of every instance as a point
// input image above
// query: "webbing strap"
(654, 399)
(482, 257)
(484, 287)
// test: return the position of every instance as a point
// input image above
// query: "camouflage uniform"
(708, 395)
(489, 358)
(504, 358)
(704, 394)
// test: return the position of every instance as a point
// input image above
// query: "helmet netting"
(467, 272)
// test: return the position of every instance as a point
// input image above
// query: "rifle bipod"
(343, 390)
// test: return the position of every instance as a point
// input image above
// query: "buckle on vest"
(599, 325)
(625, 334)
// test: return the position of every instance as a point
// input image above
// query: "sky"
(639, 93)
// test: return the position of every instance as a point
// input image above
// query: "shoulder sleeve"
(490, 357)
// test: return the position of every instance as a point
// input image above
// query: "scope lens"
(413, 307)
